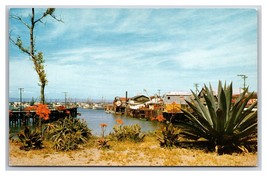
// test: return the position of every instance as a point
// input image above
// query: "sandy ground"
(126, 154)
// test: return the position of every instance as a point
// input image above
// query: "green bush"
(31, 139)
(68, 133)
(225, 125)
(128, 132)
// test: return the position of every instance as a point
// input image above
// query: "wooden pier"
(19, 118)
(143, 113)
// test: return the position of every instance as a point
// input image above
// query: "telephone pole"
(65, 98)
(20, 97)
(244, 77)
(196, 86)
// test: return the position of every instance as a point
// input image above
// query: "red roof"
(123, 99)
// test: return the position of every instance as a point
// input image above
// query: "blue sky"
(103, 52)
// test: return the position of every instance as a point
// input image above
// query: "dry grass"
(147, 153)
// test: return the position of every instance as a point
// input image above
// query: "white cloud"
(232, 54)
(106, 51)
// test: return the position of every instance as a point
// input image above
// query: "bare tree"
(36, 57)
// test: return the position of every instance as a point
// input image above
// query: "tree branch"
(50, 12)
(18, 43)
(59, 20)
(39, 19)
(20, 19)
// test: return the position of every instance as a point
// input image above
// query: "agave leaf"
(253, 105)
(202, 121)
(221, 98)
(202, 110)
(221, 121)
(246, 112)
(198, 121)
(250, 139)
(27, 132)
(212, 112)
(252, 129)
(211, 104)
(228, 96)
(241, 96)
(191, 128)
(190, 135)
(250, 119)
(236, 108)
(243, 105)
(211, 96)
(21, 137)
(234, 116)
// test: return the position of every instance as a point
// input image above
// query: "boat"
(98, 106)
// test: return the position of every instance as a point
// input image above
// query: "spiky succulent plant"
(225, 124)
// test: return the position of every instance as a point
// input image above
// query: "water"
(95, 117)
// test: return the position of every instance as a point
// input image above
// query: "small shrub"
(31, 139)
(169, 136)
(68, 133)
(128, 132)
(103, 143)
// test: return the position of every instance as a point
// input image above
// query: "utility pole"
(244, 77)
(196, 86)
(20, 97)
(159, 92)
(65, 98)
(146, 93)
(126, 96)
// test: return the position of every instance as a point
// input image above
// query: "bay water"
(94, 118)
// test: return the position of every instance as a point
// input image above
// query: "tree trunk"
(31, 36)
(42, 93)
(33, 56)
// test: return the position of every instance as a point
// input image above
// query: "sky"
(104, 52)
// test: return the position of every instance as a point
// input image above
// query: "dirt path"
(126, 154)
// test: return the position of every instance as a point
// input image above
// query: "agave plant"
(31, 139)
(68, 133)
(224, 124)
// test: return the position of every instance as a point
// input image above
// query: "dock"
(20, 118)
